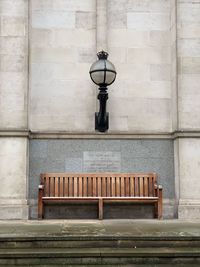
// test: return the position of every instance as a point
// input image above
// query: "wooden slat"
(113, 186)
(136, 180)
(146, 187)
(127, 186)
(47, 187)
(151, 186)
(89, 186)
(94, 187)
(117, 187)
(85, 186)
(56, 187)
(61, 187)
(66, 186)
(132, 188)
(52, 187)
(103, 189)
(99, 186)
(108, 186)
(80, 186)
(70, 186)
(122, 187)
(141, 186)
(75, 186)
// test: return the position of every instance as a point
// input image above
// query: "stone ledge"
(93, 135)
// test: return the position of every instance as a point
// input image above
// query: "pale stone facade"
(46, 50)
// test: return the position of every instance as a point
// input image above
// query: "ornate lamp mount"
(102, 73)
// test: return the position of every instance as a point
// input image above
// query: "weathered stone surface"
(13, 26)
(13, 64)
(188, 63)
(57, 57)
(13, 179)
(148, 21)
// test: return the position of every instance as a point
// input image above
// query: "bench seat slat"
(106, 198)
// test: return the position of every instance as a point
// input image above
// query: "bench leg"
(156, 210)
(160, 208)
(100, 209)
(40, 205)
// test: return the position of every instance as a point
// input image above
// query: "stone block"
(13, 26)
(160, 72)
(189, 162)
(160, 38)
(86, 55)
(38, 5)
(189, 210)
(13, 178)
(189, 85)
(191, 30)
(14, 212)
(41, 38)
(65, 71)
(85, 20)
(148, 6)
(13, 46)
(12, 102)
(189, 48)
(149, 55)
(14, 8)
(12, 82)
(116, 5)
(69, 38)
(143, 89)
(69, 5)
(118, 54)
(127, 38)
(53, 19)
(56, 55)
(148, 21)
(134, 72)
(11, 120)
(189, 65)
(13, 63)
(189, 13)
(155, 117)
(117, 19)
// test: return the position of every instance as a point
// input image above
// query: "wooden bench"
(101, 188)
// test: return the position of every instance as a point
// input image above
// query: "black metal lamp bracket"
(102, 117)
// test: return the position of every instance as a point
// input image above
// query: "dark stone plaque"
(100, 161)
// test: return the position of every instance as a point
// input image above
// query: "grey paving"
(96, 228)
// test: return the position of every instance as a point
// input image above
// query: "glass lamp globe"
(102, 72)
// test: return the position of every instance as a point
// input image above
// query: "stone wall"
(139, 42)
(62, 48)
(188, 163)
(13, 109)
(46, 49)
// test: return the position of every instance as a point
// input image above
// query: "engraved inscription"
(99, 161)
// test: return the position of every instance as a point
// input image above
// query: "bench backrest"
(99, 184)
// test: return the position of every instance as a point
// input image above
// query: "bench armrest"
(158, 190)
(41, 187)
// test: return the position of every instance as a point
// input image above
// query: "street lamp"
(102, 73)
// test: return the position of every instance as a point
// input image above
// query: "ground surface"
(113, 228)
